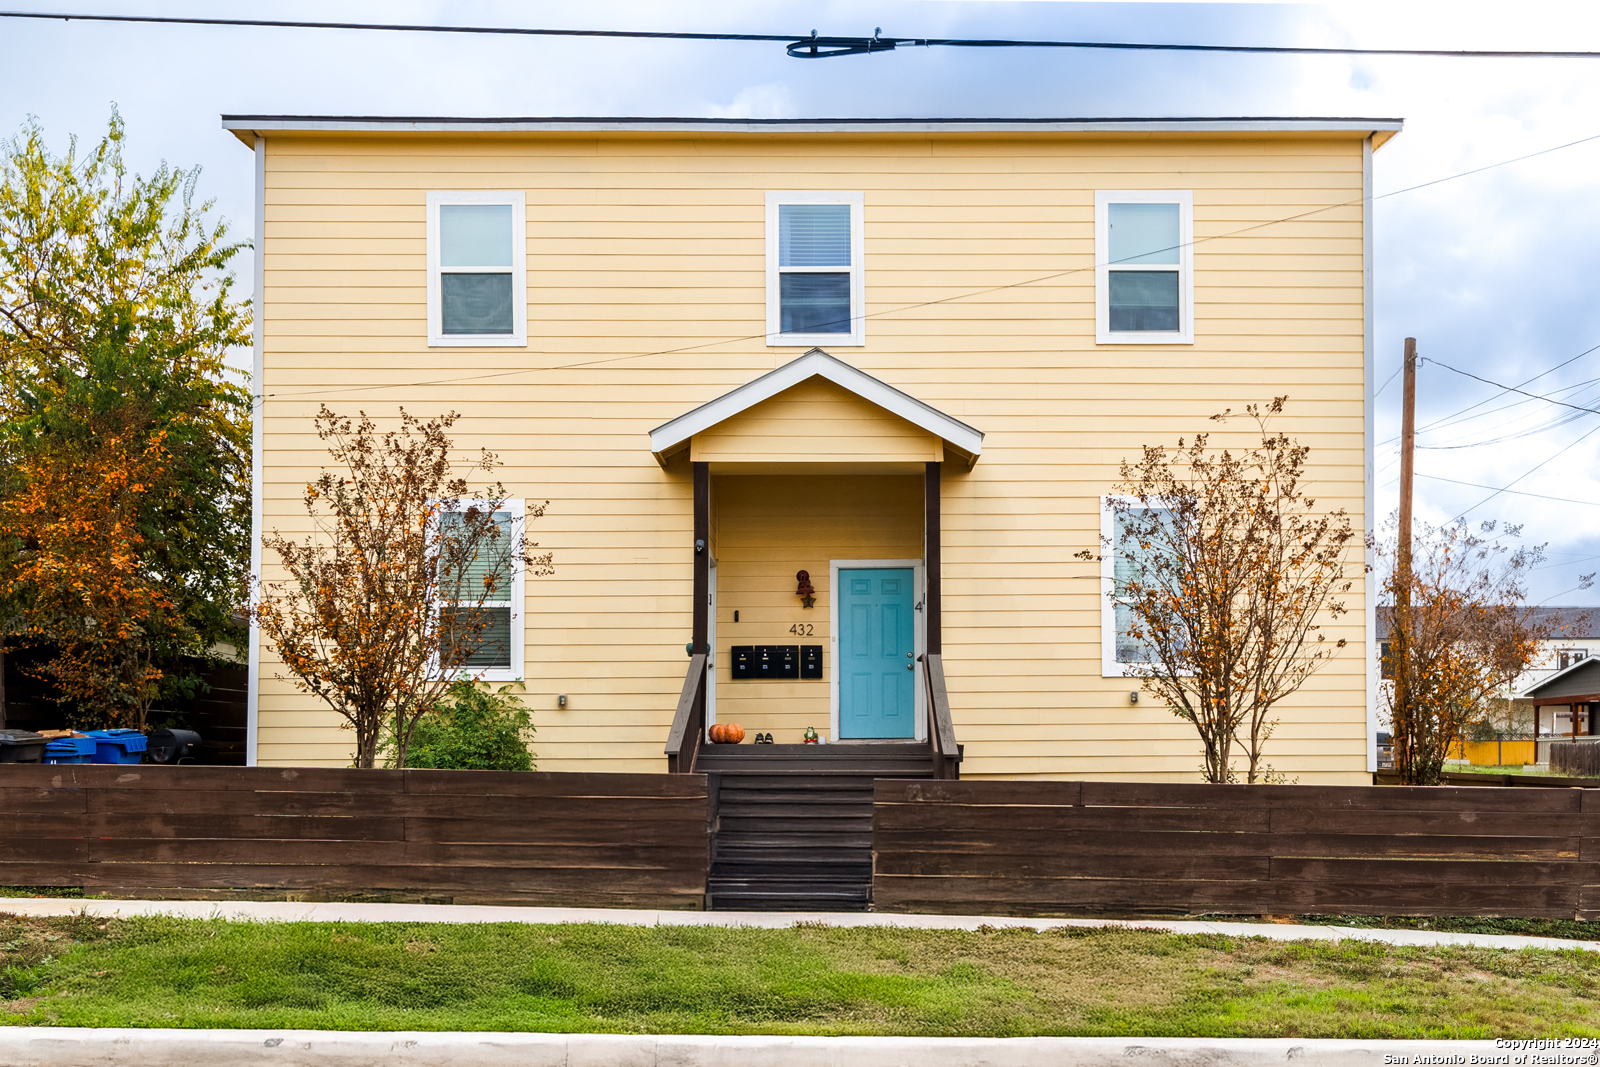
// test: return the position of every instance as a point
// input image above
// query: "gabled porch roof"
(670, 437)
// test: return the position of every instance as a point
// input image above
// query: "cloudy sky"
(1497, 274)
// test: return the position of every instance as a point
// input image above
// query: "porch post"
(932, 563)
(702, 556)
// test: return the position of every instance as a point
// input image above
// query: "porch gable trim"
(670, 436)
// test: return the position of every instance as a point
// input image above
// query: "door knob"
(911, 666)
(908, 655)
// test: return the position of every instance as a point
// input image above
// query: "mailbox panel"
(741, 659)
(784, 660)
(810, 661)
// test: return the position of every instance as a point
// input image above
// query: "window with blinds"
(484, 592)
(1121, 562)
(814, 277)
(1144, 288)
(477, 293)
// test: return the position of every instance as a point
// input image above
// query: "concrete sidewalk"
(72, 1047)
(289, 911)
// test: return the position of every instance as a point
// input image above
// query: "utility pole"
(1404, 725)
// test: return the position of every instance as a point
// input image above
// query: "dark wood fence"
(1575, 758)
(625, 840)
(1104, 847)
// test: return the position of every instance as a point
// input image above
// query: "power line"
(1507, 487)
(256, 398)
(802, 45)
(1514, 389)
(1513, 492)
(1449, 419)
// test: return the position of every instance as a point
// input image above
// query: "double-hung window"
(477, 271)
(1144, 269)
(487, 589)
(1120, 562)
(815, 281)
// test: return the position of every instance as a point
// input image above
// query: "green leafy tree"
(116, 319)
(475, 729)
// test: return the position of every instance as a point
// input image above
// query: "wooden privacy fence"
(1575, 757)
(1109, 847)
(634, 840)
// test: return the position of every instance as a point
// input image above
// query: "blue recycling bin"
(70, 750)
(118, 746)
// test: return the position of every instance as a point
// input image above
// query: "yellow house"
(822, 409)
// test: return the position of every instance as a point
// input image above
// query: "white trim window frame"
(1110, 665)
(856, 335)
(1165, 259)
(515, 265)
(514, 604)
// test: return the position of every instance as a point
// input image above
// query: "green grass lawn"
(158, 971)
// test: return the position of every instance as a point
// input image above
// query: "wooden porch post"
(702, 557)
(932, 562)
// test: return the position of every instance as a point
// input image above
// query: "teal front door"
(876, 663)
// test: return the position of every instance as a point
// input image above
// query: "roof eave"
(243, 126)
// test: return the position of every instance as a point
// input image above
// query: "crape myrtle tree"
(124, 435)
(1459, 632)
(1224, 574)
(383, 606)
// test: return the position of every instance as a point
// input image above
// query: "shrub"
(475, 729)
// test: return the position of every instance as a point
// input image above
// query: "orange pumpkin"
(734, 733)
(718, 733)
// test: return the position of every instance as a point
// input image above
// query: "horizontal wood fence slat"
(619, 840)
(1041, 848)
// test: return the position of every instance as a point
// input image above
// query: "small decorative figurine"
(811, 735)
(803, 589)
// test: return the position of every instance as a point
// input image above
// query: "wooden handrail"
(689, 721)
(941, 730)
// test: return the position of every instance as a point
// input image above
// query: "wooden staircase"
(791, 825)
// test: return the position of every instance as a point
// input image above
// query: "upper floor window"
(477, 288)
(815, 282)
(1571, 656)
(1144, 271)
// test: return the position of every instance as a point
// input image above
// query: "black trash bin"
(173, 746)
(21, 746)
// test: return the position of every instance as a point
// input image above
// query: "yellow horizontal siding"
(646, 295)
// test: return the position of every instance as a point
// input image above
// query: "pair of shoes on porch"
(763, 739)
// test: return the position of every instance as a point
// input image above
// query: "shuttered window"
(477, 293)
(815, 284)
(1144, 286)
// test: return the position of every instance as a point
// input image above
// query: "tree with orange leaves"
(124, 435)
(1224, 573)
(384, 603)
(1459, 637)
(78, 572)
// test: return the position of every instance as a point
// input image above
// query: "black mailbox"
(777, 661)
(811, 661)
(767, 661)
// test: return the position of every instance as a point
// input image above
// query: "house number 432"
(803, 629)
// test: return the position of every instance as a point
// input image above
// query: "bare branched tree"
(1457, 636)
(384, 605)
(1224, 573)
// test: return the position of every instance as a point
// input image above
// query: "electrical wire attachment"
(815, 47)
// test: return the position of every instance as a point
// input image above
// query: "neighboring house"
(1567, 701)
(904, 357)
(1574, 636)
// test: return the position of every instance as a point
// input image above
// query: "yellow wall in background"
(765, 528)
(646, 298)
